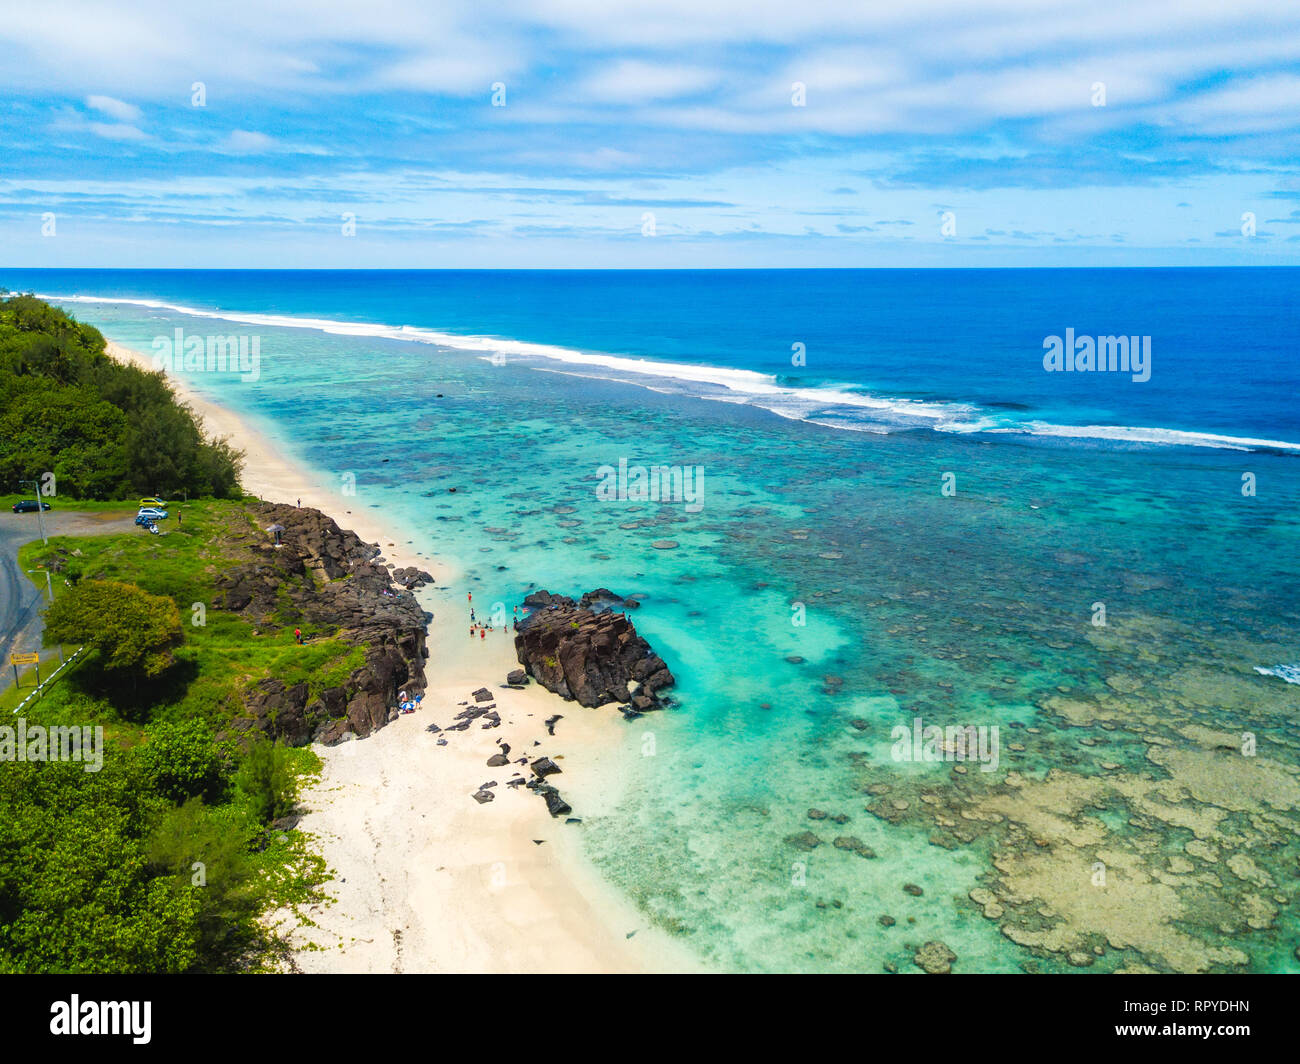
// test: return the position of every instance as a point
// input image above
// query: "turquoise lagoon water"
(970, 608)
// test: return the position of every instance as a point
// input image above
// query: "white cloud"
(116, 109)
(634, 81)
(116, 131)
(248, 142)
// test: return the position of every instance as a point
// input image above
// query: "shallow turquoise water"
(973, 608)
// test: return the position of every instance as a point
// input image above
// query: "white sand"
(426, 878)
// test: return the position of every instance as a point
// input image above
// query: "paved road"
(22, 601)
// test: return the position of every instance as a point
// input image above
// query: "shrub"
(267, 780)
(184, 761)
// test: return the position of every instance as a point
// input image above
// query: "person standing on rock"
(297, 636)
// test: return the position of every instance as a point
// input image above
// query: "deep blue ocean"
(960, 350)
(920, 523)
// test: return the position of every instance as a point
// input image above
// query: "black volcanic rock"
(301, 583)
(588, 656)
(544, 766)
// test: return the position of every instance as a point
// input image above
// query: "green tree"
(205, 851)
(133, 630)
(267, 781)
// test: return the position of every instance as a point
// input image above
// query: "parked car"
(153, 513)
(153, 500)
(28, 506)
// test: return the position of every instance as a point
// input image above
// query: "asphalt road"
(22, 601)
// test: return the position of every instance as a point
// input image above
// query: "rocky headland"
(325, 576)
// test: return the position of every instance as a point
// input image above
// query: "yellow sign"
(24, 659)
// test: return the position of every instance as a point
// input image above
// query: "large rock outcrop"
(325, 576)
(590, 655)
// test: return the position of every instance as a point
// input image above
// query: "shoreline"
(426, 879)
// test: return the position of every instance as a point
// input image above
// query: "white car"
(153, 513)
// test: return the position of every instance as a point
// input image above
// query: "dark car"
(28, 506)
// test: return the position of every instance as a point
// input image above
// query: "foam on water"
(1289, 673)
(831, 405)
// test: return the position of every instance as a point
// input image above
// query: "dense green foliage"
(267, 781)
(104, 429)
(100, 872)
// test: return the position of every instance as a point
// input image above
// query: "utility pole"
(40, 507)
(49, 583)
(49, 586)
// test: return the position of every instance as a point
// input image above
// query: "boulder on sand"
(544, 766)
(589, 656)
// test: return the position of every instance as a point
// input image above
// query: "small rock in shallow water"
(853, 844)
(804, 841)
(912, 889)
(934, 958)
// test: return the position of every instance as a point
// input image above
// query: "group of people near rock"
(475, 625)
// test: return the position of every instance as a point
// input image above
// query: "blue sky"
(1131, 133)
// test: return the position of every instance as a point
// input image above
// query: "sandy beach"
(427, 879)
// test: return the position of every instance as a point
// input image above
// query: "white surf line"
(748, 385)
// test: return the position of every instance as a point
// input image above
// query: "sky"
(630, 133)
